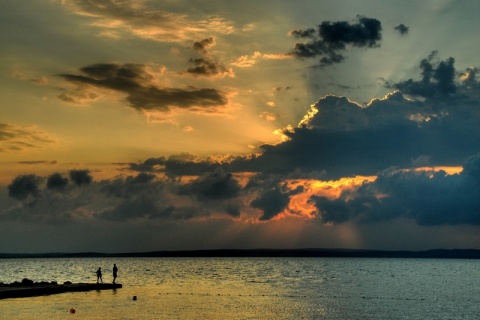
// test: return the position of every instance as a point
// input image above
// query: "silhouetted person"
(99, 275)
(115, 270)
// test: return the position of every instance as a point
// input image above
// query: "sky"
(181, 125)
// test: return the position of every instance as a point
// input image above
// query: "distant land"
(313, 253)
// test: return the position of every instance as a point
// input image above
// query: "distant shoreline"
(267, 253)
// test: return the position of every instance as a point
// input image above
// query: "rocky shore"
(29, 288)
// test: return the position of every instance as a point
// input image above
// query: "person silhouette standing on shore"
(99, 275)
(115, 270)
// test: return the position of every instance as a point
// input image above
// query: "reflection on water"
(252, 288)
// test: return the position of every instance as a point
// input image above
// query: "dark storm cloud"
(438, 79)
(344, 139)
(138, 197)
(187, 164)
(308, 33)
(186, 167)
(332, 38)
(130, 186)
(430, 198)
(216, 191)
(213, 186)
(272, 194)
(80, 177)
(24, 186)
(273, 201)
(129, 198)
(57, 182)
(339, 138)
(403, 29)
(143, 93)
(141, 197)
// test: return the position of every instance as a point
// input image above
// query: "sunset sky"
(176, 125)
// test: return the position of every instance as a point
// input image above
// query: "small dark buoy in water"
(134, 298)
(72, 310)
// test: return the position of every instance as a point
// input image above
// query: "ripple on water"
(252, 288)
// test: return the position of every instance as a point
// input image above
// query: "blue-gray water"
(252, 288)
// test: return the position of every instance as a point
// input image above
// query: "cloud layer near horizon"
(428, 197)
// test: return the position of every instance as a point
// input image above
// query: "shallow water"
(252, 288)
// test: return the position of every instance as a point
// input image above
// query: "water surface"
(252, 288)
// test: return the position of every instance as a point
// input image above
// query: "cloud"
(402, 29)
(18, 137)
(213, 186)
(204, 44)
(340, 138)
(82, 95)
(187, 164)
(269, 116)
(149, 165)
(28, 76)
(438, 79)
(428, 197)
(24, 186)
(52, 162)
(135, 18)
(272, 202)
(80, 177)
(205, 67)
(331, 38)
(390, 138)
(271, 194)
(143, 93)
(141, 197)
(57, 181)
(247, 61)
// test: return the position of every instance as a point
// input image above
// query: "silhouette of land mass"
(344, 253)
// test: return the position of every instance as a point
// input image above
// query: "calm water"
(252, 288)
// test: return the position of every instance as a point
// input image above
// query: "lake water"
(251, 288)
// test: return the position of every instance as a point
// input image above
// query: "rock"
(20, 291)
(27, 282)
(134, 298)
